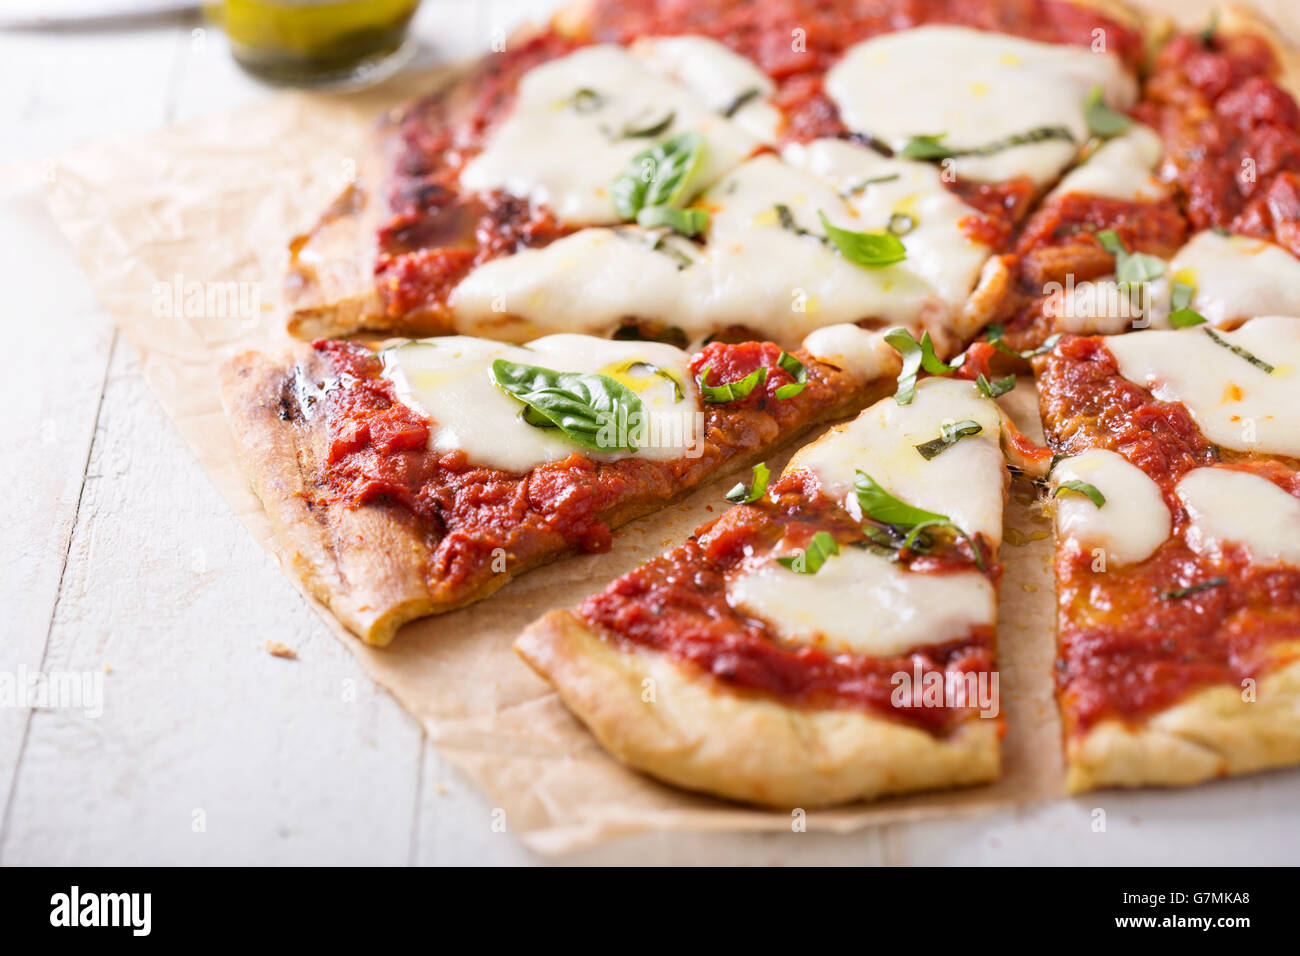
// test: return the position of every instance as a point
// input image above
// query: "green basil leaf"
(1237, 350)
(881, 506)
(900, 223)
(637, 129)
(926, 147)
(582, 405)
(659, 175)
(586, 100)
(1131, 268)
(796, 370)
(1111, 242)
(1081, 488)
(995, 332)
(996, 388)
(811, 559)
(744, 495)
(930, 147)
(1102, 120)
(1181, 295)
(870, 249)
(687, 222)
(1185, 318)
(856, 187)
(1177, 593)
(731, 391)
(949, 434)
(916, 355)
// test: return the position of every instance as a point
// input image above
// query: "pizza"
(1178, 551)
(760, 660)
(422, 476)
(728, 223)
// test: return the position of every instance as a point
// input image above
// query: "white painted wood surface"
(116, 553)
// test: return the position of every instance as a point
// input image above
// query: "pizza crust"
(1245, 20)
(700, 736)
(1212, 734)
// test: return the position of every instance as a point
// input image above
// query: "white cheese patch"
(976, 87)
(1100, 307)
(859, 602)
(1237, 277)
(753, 270)
(1234, 507)
(1236, 404)
(853, 349)
(1132, 523)
(965, 482)
(564, 150)
(448, 380)
(719, 76)
(1120, 169)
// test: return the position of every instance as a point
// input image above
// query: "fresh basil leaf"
(1111, 242)
(916, 355)
(1102, 120)
(881, 506)
(870, 249)
(997, 387)
(926, 147)
(735, 106)
(949, 434)
(644, 129)
(1237, 350)
(1207, 33)
(995, 331)
(582, 405)
(1131, 268)
(1181, 295)
(1177, 593)
(687, 222)
(1185, 318)
(796, 370)
(811, 559)
(1081, 488)
(744, 495)
(586, 100)
(731, 391)
(659, 175)
(856, 187)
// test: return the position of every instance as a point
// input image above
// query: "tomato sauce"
(1124, 651)
(677, 605)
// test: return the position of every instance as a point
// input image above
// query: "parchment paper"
(216, 201)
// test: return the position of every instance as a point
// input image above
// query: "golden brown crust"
(1236, 19)
(677, 725)
(1217, 732)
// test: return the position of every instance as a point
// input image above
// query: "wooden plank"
(281, 761)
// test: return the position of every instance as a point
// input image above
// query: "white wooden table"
(117, 557)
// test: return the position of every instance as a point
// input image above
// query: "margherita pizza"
(656, 239)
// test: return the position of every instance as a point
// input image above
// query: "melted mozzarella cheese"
(753, 271)
(1236, 404)
(565, 153)
(1235, 507)
(965, 482)
(718, 76)
(1132, 523)
(1237, 277)
(862, 603)
(1102, 307)
(976, 87)
(858, 351)
(1120, 169)
(448, 380)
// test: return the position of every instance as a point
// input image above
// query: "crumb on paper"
(108, 668)
(440, 788)
(276, 649)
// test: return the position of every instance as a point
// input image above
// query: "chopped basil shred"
(900, 223)
(856, 187)
(656, 125)
(995, 331)
(744, 494)
(880, 506)
(1177, 593)
(586, 100)
(811, 559)
(1131, 268)
(1102, 120)
(582, 405)
(796, 371)
(1237, 350)
(870, 249)
(997, 387)
(1081, 488)
(916, 356)
(734, 107)
(1181, 295)
(930, 147)
(1185, 318)
(658, 175)
(731, 391)
(949, 434)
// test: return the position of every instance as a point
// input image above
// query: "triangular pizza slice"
(831, 637)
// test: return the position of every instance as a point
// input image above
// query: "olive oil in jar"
(339, 43)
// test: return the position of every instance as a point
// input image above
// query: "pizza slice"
(421, 477)
(1178, 553)
(828, 639)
